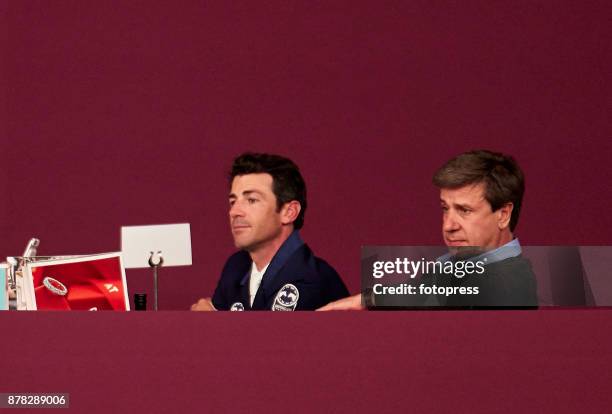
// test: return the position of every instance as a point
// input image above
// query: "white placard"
(173, 240)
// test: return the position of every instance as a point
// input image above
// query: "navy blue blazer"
(293, 267)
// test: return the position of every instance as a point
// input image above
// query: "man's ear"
(290, 211)
(504, 214)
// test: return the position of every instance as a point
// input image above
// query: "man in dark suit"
(274, 269)
(481, 194)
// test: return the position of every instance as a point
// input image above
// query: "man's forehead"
(468, 194)
(261, 182)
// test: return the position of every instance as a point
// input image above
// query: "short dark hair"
(288, 184)
(503, 179)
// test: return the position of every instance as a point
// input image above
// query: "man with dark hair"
(495, 186)
(274, 269)
(481, 194)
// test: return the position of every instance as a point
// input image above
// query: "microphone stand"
(155, 261)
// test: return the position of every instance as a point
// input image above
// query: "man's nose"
(449, 222)
(236, 210)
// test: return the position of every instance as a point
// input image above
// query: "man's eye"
(232, 202)
(252, 200)
(464, 210)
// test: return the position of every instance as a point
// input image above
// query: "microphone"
(31, 248)
(16, 299)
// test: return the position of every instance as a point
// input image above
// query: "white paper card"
(173, 240)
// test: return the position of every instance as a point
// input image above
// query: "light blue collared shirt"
(508, 250)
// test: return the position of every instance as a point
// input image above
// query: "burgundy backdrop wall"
(117, 113)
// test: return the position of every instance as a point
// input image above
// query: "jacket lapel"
(278, 270)
(293, 271)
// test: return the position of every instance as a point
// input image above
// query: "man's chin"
(464, 251)
(456, 243)
(241, 244)
(246, 245)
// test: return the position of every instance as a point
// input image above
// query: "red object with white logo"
(81, 283)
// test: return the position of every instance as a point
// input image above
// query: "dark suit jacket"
(294, 263)
(507, 284)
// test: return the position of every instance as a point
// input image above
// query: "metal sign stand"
(155, 261)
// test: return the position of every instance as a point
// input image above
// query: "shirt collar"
(289, 246)
(508, 250)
